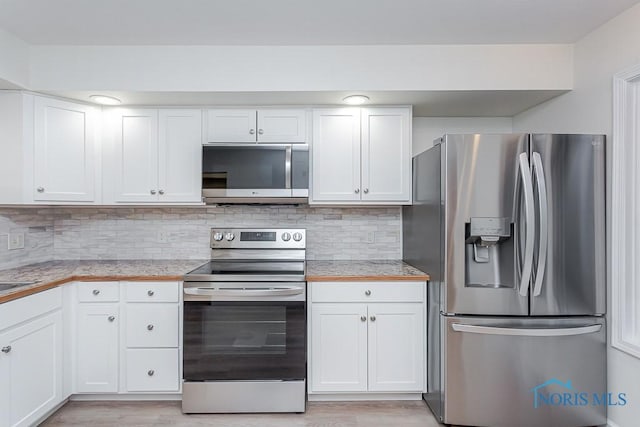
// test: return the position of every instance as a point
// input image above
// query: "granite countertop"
(50, 274)
(348, 271)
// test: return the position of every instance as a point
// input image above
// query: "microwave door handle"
(287, 168)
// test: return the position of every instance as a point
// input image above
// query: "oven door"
(255, 171)
(246, 339)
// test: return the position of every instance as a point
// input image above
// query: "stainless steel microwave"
(255, 173)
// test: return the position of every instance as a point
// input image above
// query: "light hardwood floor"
(319, 414)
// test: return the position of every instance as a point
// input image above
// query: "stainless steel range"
(245, 324)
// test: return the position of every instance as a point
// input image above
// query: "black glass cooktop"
(250, 268)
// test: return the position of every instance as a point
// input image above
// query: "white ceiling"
(304, 22)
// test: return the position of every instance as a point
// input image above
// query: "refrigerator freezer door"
(525, 372)
(486, 182)
(573, 276)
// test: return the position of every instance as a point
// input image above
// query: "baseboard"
(346, 397)
(125, 397)
(612, 424)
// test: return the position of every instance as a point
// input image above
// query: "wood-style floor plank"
(319, 414)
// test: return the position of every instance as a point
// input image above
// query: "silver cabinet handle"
(40, 189)
(151, 372)
(363, 318)
(367, 292)
(150, 293)
(152, 191)
(252, 131)
(260, 131)
(161, 192)
(150, 327)
(96, 291)
(357, 190)
(366, 190)
(6, 349)
(111, 318)
(373, 318)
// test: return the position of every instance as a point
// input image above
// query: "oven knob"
(217, 236)
(297, 236)
(286, 237)
(230, 236)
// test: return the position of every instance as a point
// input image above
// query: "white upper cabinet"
(361, 156)
(180, 156)
(336, 155)
(64, 165)
(156, 156)
(250, 126)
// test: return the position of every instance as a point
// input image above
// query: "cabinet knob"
(367, 292)
(161, 192)
(357, 190)
(151, 372)
(150, 327)
(366, 190)
(260, 131)
(150, 293)
(152, 191)
(40, 189)
(111, 318)
(252, 131)
(363, 318)
(373, 318)
(6, 349)
(96, 291)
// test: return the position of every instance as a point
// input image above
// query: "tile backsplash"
(183, 232)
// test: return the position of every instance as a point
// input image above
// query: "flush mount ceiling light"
(105, 100)
(355, 99)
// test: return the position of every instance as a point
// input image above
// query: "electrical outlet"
(371, 237)
(163, 237)
(16, 241)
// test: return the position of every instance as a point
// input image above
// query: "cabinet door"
(136, 156)
(338, 347)
(64, 151)
(31, 370)
(97, 348)
(386, 155)
(180, 154)
(230, 126)
(282, 126)
(396, 347)
(336, 155)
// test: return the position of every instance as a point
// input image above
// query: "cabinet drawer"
(153, 325)
(153, 291)
(367, 291)
(98, 291)
(153, 370)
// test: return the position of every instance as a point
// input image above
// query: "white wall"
(588, 109)
(14, 60)
(426, 129)
(302, 68)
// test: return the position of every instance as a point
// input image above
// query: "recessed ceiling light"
(105, 100)
(355, 99)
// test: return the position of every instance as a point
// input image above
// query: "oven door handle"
(244, 292)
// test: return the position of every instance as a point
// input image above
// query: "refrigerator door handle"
(530, 224)
(526, 332)
(544, 215)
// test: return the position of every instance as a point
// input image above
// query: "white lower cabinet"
(367, 337)
(132, 344)
(30, 359)
(97, 347)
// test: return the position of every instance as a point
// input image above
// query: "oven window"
(244, 340)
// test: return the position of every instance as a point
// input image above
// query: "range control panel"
(251, 238)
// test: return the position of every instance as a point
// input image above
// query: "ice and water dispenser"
(489, 253)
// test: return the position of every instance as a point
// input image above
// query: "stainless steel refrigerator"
(511, 229)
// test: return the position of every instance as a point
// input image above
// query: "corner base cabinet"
(367, 337)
